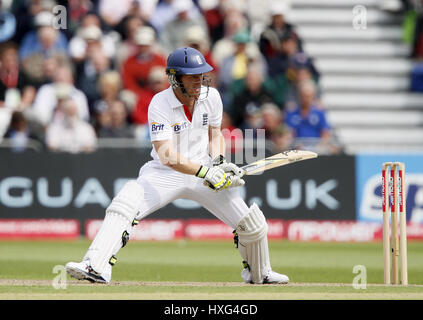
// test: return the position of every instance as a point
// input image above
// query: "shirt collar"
(172, 99)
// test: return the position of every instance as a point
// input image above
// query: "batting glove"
(215, 178)
(236, 181)
(230, 167)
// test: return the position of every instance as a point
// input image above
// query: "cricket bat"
(277, 160)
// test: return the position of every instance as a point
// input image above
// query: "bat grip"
(230, 173)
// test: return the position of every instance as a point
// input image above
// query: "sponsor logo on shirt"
(177, 127)
(205, 119)
(156, 127)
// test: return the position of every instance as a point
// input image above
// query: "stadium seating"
(365, 74)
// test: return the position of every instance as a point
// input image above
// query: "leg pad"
(252, 243)
(114, 232)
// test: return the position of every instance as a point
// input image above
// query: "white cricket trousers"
(163, 185)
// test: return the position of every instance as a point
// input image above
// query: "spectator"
(157, 81)
(118, 126)
(5, 117)
(11, 77)
(128, 47)
(272, 118)
(215, 18)
(298, 59)
(217, 12)
(258, 14)
(196, 38)
(275, 130)
(289, 67)
(7, 25)
(279, 61)
(109, 86)
(417, 45)
(25, 12)
(252, 119)
(90, 35)
(391, 6)
(172, 36)
(136, 69)
(19, 132)
(165, 12)
(300, 69)
(247, 93)
(89, 72)
(41, 45)
(282, 139)
(110, 89)
(235, 66)
(225, 47)
(15, 91)
(77, 10)
(101, 117)
(45, 40)
(49, 95)
(233, 136)
(269, 41)
(307, 120)
(48, 70)
(112, 12)
(69, 133)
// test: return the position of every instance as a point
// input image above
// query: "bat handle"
(230, 173)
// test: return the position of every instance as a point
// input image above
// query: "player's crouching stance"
(185, 122)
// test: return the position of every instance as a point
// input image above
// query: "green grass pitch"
(206, 270)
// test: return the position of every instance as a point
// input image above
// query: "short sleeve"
(324, 125)
(159, 124)
(216, 102)
(289, 119)
(90, 138)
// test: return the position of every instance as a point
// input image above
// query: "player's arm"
(169, 157)
(215, 177)
(325, 134)
(217, 144)
(161, 137)
(217, 149)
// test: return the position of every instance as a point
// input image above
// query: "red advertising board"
(39, 228)
(292, 230)
(215, 229)
(204, 229)
(165, 229)
(343, 231)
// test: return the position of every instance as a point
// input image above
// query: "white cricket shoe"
(246, 275)
(83, 271)
(272, 277)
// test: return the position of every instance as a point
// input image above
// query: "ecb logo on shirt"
(156, 127)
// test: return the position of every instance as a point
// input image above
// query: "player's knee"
(128, 201)
(253, 226)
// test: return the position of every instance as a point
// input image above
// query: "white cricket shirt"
(168, 121)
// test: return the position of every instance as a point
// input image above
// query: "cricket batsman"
(189, 163)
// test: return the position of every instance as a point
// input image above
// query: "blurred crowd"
(412, 11)
(413, 27)
(73, 72)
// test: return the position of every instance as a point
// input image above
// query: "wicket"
(395, 198)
